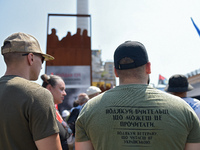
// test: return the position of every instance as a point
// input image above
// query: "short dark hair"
(128, 73)
(12, 58)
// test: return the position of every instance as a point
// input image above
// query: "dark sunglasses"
(42, 58)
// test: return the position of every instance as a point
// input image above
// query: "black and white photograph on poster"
(77, 80)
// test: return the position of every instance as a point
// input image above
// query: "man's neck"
(180, 94)
(131, 81)
(16, 72)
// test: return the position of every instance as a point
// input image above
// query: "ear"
(148, 68)
(115, 71)
(49, 87)
(30, 59)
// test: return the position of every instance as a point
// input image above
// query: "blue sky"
(164, 27)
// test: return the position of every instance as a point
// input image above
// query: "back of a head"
(93, 91)
(178, 84)
(130, 58)
(82, 98)
(50, 79)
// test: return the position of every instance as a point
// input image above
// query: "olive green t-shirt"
(137, 117)
(27, 114)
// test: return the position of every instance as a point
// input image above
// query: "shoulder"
(162, 94)
(95, 100)
(22, 83)
(31, 89)
(191, 100)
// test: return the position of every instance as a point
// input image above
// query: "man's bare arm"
(49, 143)
(192, 146)
(87, 145)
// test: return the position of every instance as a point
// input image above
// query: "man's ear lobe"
(115, 71)
(30, 59)
(148, 68)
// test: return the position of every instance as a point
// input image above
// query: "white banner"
(74, 76)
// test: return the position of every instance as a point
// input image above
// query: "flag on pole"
(162, 80)
(198, 31)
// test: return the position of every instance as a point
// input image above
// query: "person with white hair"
(93, 91)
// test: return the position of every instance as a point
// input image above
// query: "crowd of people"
(132, 115)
